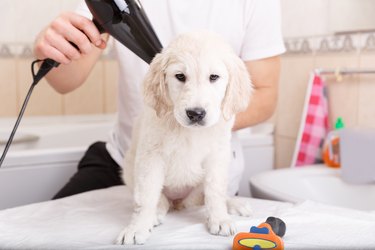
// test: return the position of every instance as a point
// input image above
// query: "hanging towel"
(314, 124)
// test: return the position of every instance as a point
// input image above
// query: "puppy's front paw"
(239, 207)
(224, 227)
(132, 235)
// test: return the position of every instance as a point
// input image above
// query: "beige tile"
(293, 83)
(342, 94)
(272, 119)
(366, 100)
(88, 98)
(8, 87)
(111, 72)
(284, 149)
(44, 99)
(33, 16)
(69, 5)
(8, 14)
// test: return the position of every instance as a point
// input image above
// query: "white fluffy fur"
(173, 161)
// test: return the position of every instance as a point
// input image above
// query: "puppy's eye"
(181, 77)
(213, 78)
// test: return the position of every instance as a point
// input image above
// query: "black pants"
(96, 170)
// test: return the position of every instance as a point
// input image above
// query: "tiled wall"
(321, 17)
(20, 22)
(97, 95)
(352, 98)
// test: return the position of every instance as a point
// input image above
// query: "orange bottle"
(331, 149)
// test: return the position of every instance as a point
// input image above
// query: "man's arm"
(264, 74)
(76, 43)
(68, 77)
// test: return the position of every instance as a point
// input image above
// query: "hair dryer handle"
(98, 26)
(278, 226)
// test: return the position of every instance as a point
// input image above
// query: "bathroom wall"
(20, 22)
(97, 95)
(303, 18)
(310, 43)
(352, 97)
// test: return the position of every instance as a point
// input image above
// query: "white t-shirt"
(252, 27)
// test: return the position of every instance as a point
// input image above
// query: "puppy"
(180, 148)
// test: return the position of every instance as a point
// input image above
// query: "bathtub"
(46, 150)
(318, 183)
(44, 154)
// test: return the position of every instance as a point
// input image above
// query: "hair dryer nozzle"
(131, 28)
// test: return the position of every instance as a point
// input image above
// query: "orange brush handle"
(261, 237)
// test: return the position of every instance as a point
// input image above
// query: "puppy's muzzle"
(196, 114)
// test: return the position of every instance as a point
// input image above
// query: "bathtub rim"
(37, 157)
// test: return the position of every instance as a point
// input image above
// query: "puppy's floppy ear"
(155, 88)
(239, 87)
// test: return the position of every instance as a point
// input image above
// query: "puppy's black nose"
(196, 114)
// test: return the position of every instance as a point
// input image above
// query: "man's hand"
(75, 42)
(67, 37)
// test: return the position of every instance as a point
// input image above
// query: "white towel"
(92, 220)
(313, 225)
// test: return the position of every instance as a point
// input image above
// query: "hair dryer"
(126, 21)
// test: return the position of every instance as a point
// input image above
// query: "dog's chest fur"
(182, 151)
(184, 154)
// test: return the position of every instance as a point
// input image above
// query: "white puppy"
(180, 148)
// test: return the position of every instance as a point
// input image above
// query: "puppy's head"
(199, 79)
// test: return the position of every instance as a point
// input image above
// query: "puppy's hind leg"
(239, 206)
(162, 210)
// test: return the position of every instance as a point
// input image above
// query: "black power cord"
(46, 66)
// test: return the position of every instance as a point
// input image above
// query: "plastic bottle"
(331, 149)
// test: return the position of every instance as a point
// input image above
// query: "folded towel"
(313, 225)
(92, 220)
(314, 124)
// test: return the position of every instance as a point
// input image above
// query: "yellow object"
(261, 237)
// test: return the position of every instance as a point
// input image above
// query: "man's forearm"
(66, 78)
(75, 42)
(265, 77)
(261, 108)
